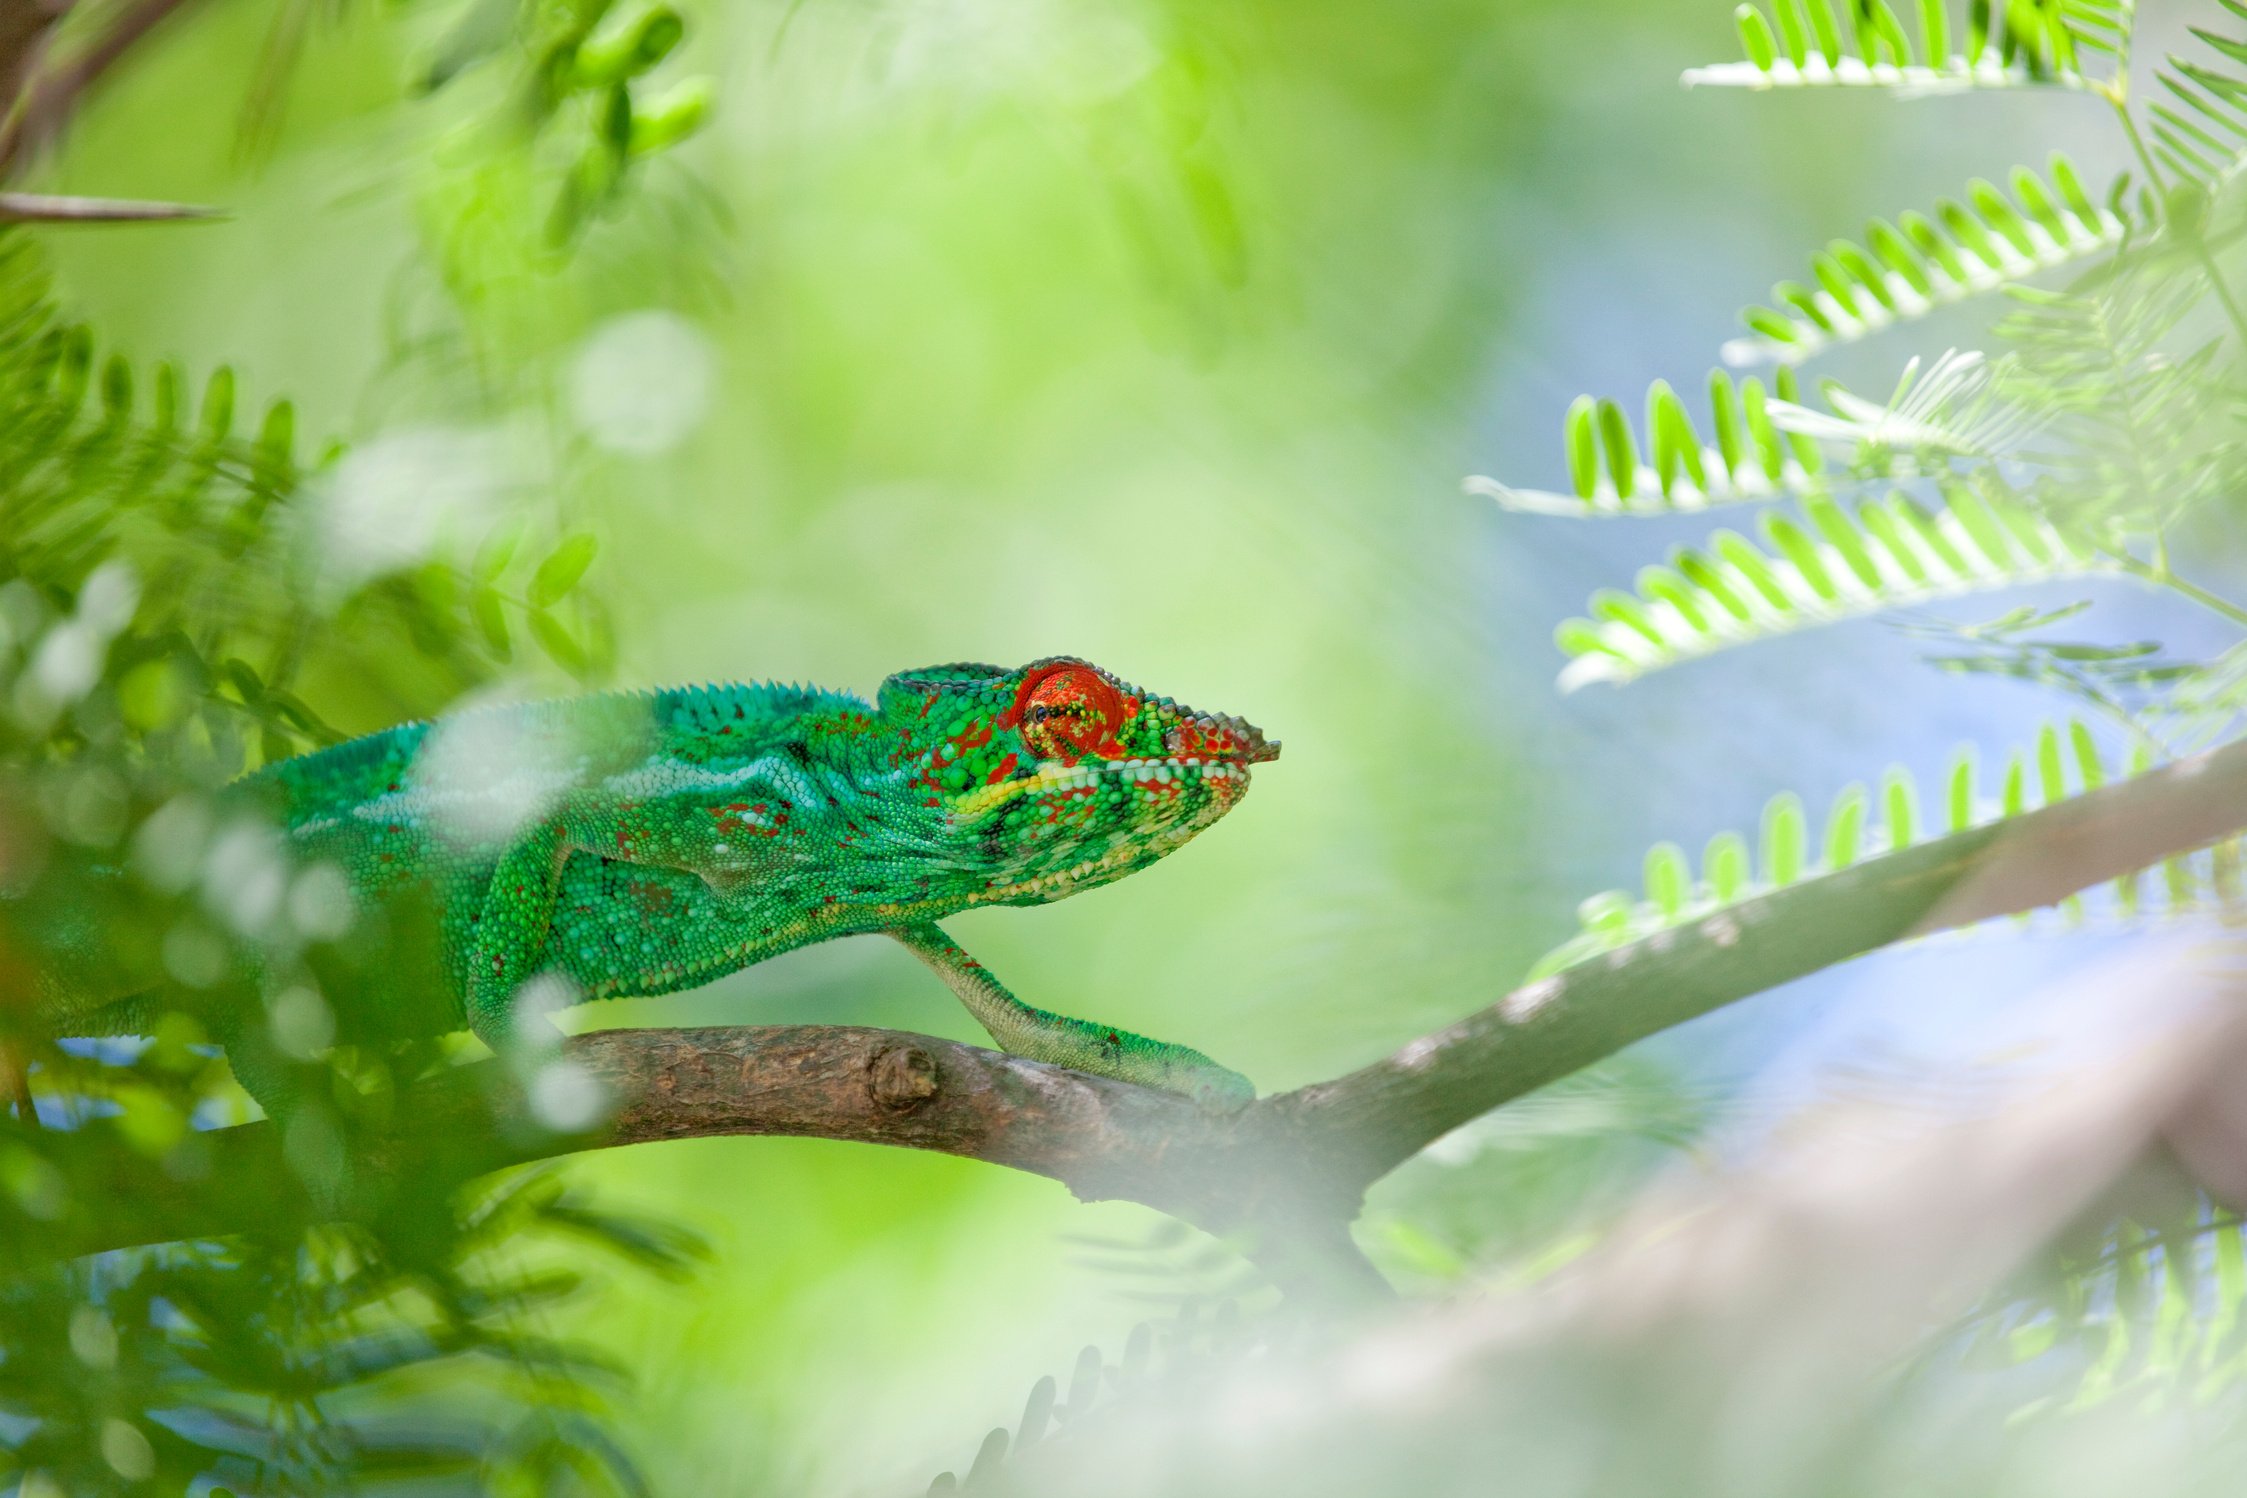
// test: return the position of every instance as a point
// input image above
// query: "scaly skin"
(637, 844)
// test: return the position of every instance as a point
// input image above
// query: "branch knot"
(902, 1077)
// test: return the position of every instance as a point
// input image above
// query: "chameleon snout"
(1220, 736)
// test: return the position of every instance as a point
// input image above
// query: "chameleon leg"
(724, 851)
(308, 1133)
(1100, 1049)
(510, 931)
(265, 1074)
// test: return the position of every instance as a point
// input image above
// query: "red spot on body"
(748, 818)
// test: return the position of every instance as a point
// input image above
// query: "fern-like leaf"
(1866, 44)
(2064, 761)
(1890, 553)
(1951, 412)
(2150, 1311)
(1771, 446)
(2138, 427)
(1667, 468)
(1906, 269)
(2200, 134)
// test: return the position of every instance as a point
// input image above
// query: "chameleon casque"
(640, 843)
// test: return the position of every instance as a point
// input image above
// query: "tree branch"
(24, 25)
(1379, 1116)
(54, 93)
(1289, 1171)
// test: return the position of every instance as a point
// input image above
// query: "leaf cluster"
(169, 616)
(2093, 435)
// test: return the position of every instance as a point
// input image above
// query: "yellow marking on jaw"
(989, 797)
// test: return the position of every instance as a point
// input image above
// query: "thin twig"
(47, 208)
(2159, 575)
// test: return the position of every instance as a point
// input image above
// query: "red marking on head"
(1068, 711)
(1003, 769)
(1188, 741)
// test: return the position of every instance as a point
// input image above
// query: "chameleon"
(638, 843)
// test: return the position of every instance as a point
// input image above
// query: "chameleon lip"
(1208, 766)
(1052, 774)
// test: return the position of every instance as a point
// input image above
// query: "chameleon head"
(1059, 776)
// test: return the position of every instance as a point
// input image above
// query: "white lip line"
(1163, 771)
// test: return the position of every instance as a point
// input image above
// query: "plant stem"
(2161, 576)
(2115, 96)
(2223, 290)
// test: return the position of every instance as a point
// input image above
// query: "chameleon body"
(636, 844)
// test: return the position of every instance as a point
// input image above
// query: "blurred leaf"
(560, 572)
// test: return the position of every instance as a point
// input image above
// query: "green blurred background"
(1161, 333)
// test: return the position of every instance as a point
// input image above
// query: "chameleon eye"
(1071, 713)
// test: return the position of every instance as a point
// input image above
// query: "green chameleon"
(640, 843)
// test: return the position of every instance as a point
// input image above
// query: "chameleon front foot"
(1103, 1050)
(1108, 1052)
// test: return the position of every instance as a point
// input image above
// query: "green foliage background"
(1156, 332)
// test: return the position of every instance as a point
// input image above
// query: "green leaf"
(562, 569)
(2199, 135)
(491, 621)
(1785, 840)
(218, 404)
(1749, 458)
(1891, 554)
(684, 108)
(617, 52)
(1755, 37)
(1912, 267)
(1669, 879)
(556, 641)
(2039, 46)
(2065, 762)
(497, 550)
